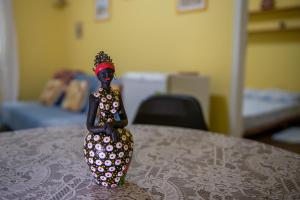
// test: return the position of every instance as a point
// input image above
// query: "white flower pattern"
(98, 147)
(107, 163)
(112, 156)
(109, 148)
(98, 162)
(116, 104)
(108, 96)
(121, 154)
(106, 139)
(119, 145)
(96, 138)
(101, 105)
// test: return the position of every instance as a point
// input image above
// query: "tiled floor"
(266, 137)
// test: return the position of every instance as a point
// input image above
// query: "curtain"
(9, 66)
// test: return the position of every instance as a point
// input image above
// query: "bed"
(267, 109)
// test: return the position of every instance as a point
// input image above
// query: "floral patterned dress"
(108, 160)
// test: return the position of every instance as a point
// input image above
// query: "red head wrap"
(103, 66)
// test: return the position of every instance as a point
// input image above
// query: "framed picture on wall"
(102, 9)
(191, 5)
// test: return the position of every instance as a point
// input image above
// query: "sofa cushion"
(22, 115)
(93, 85)
(76, 95)
(52, 92)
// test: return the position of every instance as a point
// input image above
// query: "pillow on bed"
(273, 95)
(76, 95)
(52, 92)
(283, 95)
(253, 93)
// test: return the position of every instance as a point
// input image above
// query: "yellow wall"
(273, 58)
(145, 35)
(40, 31)
(141, 35)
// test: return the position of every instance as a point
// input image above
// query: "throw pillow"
(76, 95)
(52, 92)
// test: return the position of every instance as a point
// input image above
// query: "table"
(168, 163)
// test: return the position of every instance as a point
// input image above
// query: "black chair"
(171, 110)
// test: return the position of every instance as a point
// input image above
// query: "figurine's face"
(105, 76)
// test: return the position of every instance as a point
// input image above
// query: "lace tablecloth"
(168, 163)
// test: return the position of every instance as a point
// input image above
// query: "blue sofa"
(23, 115)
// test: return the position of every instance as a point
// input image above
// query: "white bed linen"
(264, 107)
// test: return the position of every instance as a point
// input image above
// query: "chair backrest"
(171, 110)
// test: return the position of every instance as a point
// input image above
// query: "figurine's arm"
(120, 117)
(90, 122)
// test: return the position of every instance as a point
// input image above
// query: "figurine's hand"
(108, 129)
(111, 131)
(96, 129)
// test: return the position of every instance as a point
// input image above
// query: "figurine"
(108, 146)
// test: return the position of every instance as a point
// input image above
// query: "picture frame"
(191, 5)
(102, 9)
